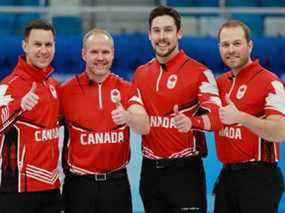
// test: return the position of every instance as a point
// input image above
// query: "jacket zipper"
(158, 79)
(232, 86)
(100, 95)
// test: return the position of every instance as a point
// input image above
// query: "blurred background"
(127, 21)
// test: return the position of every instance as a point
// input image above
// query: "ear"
(83, 54)
(113, 51)
(113, 54)
(250, 44)
(149, 35)
(24, 45)
(179, 34)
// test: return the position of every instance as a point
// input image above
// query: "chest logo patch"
(53, 91)
(171, 82)
(115, 95)
(241, 91)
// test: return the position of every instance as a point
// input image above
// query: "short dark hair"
(233, 24)
(39, 24)
(165, 10)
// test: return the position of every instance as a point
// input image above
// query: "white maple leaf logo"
(4, 99)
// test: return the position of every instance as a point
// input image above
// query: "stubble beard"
(240, 65)
(165, 55)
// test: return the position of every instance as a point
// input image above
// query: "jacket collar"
(86, 80)
(248, 71)
(37, 74)
(179, 58)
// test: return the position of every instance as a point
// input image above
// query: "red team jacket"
(190, 85)
(96, 144)
(28, 140)
(260, 93)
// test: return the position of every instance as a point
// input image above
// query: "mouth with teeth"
(231, 58)
(43, 61)
(162, 45)
(100, 65)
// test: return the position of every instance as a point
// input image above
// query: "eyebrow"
(232, 41)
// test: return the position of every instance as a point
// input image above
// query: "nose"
(100, 56)
(44, 49)
(161, 35)
(231, 48)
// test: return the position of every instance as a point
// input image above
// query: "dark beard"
(166, 54)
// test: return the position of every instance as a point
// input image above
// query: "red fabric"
(37, 130)
(248, 91)
(97, 144)
(183, 82)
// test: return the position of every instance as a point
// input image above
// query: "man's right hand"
(181, 121)
(30, 100)
(120, 116)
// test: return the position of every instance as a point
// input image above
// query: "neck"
(97, 78)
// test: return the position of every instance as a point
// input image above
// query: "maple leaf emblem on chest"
(171, 82)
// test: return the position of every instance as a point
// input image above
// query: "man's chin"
(41, 65)
(162, 54)
(234, 66)
(100, 70)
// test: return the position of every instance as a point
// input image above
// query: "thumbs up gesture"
(119, 114)
(31, 99)
(229, 114)
(181, 121)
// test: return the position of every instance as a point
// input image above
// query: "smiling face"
(234, 49)
(39, 48)
(98, 53)
(164, 37)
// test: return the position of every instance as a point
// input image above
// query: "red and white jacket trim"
(148, 153)
(80, 171)
(42, 174)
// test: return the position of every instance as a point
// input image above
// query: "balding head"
(97, 32)
(98, 53)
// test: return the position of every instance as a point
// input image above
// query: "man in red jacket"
(29, 108)
(99, 108)
(181, 98)
(253, 115)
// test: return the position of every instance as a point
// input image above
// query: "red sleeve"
(133, 96)
(60, 96)
(275, 99)
(207, 117)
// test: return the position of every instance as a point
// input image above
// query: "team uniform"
(29, 142)
(172, 176)
(250, 180)
(98, 150)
